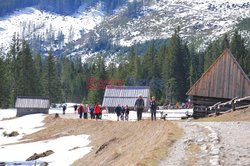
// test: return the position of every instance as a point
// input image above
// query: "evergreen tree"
(52, 84)
(38, 75)
(149, 62)
(4, 83)
(67, 77)
(99, 72)
(225, 42)
(12, 67)
(175, 70)
(26, 84)
(133, 64)
(239, 51)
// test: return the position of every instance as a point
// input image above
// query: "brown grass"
(238, 115)
(115, 143)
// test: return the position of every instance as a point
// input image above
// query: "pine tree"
(67, 80)
(149, 68)
(239, 51)
(225, 42)
(4, 93)
(99, 72)
(175, 70)
(12, 67)
(52, 84)
(38, 75)
(133, 64)
(26, 84)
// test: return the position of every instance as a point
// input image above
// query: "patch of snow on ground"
(24, 125)
(7, 113)
(67, 150)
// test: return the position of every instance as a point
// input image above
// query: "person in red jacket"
(80, 110)
(97, 111)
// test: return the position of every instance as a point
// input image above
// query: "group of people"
(122, 112)
(138, 107)
(83, 111)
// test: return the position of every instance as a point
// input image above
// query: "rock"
(12, 134)
(36, 156)
(215, 152)
(204, 147)
(57, 116)
(44, 164)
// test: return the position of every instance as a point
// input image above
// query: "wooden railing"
(232, 103)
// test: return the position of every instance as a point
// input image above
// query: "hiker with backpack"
(139, 106)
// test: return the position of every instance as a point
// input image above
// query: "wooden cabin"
(32, 105)
(124, 95)
(223, 81)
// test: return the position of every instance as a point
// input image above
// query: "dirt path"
(211, 143)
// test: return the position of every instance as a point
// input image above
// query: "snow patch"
(67, 150)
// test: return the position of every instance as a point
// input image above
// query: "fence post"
(233, 105)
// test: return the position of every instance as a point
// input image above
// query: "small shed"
(125, 95)
(32, 105)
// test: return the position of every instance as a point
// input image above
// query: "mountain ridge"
(91, 29)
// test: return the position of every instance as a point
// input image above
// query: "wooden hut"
(32, 105)
(125, 95)
(223, 81)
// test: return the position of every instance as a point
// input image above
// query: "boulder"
(12, 134)
(36, 156)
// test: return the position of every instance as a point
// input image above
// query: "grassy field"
(115, 143)
(238, 115)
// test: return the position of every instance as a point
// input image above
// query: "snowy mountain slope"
(31, 23)
(196, 18)
(90, 30)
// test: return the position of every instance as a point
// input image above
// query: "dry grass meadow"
(115, 143)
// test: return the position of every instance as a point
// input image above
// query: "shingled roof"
(224, 79)
(126, 95)
(32, 102)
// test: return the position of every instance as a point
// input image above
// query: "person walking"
(153, 108)
(80, 110)
(123, 113)
(64, 109)
(139, 106)
(91, 110)
(118, 111)
(75, 108)
(85, 112)
(97, 111)
(126, 113)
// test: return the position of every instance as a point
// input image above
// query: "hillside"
(85, 28)
(115, 143)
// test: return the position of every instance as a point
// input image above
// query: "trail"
(211, 143)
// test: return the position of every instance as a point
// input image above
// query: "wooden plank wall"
(224, 79)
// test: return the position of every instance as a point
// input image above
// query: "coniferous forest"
(169, 69)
